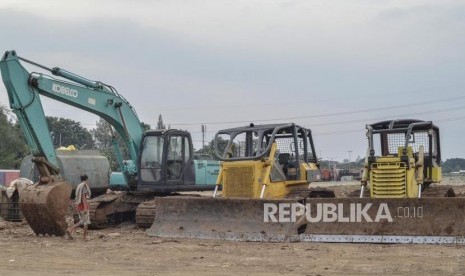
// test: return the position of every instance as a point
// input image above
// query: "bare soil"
(126, 250)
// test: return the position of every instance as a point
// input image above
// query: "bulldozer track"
(112, 209)
(145, 214)
(302, 194)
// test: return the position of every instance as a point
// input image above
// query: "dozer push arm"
(95, 97)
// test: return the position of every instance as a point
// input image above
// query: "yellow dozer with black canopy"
(260, 164)
(265, 161)
(409, 161)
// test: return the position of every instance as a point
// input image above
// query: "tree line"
(63, 132)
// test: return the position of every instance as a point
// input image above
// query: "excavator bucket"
(239, 219)
(45, 207)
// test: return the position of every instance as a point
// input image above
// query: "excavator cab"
(409, 160)
(166, 161)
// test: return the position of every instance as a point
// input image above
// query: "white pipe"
(362, 191)
(216, 190)
(263, 191)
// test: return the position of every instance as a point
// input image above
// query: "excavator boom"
(44, 204)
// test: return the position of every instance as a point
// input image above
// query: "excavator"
(409, 162)
(261, 164)
(160, 161)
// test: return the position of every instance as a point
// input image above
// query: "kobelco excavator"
(160, 161)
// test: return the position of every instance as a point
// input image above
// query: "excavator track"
(114, 208)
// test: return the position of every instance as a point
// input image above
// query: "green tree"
(145, 126)
(453, 165)
(102, 135)
(210, 147)
(13, 146)
(65, 132)
(160, 124)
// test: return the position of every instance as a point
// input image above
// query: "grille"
(388, 180)
(238, 182)
(9, 208)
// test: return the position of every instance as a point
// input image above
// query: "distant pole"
(204, 129)
(332, 167)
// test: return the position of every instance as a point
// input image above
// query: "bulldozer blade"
(218, 218)
(45, 207)
(412, 220)
(408, 217)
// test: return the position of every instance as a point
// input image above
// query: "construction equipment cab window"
(166, 158)
(286, 146)
(152, 158)
(176, 157)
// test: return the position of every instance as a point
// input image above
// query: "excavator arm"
(95, 97)
(44, 204)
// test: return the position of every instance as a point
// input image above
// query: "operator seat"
(283, 159)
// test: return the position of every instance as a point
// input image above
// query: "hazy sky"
(332, 66)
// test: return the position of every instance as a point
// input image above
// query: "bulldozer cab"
(293, 146)
(273, 157)
(404, 156)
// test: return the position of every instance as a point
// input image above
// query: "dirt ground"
(126, 250)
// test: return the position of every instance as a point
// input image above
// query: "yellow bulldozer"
(271, 166)
(273, 163)
(409, 161)
(265, 161)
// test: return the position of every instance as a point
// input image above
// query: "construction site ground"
(126, 250)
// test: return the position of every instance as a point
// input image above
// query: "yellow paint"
(392, 178)
(246, 178)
